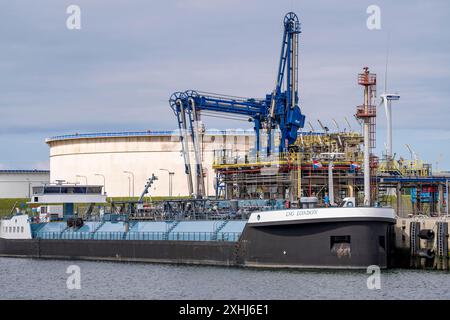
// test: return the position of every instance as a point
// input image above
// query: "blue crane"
(279, 109)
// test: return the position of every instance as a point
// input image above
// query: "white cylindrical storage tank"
(124, 161)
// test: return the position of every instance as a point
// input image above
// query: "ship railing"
(203, 236)
(150, 235)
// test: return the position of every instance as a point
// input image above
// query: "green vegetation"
(6, 205)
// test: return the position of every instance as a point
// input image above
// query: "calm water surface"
(46, 279)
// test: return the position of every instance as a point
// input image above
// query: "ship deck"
(198, 230)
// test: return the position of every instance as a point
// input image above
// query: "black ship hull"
(337, 244)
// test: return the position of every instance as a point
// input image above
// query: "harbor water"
(47, 279)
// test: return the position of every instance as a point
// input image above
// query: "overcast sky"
(118, 72)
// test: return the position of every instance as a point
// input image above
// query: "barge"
(345, 237)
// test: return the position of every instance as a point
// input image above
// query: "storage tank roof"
(150, 133)
(141, 134)
(25, 171)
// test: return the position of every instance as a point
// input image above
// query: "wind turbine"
(386, 99)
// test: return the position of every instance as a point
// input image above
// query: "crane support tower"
(279, 109)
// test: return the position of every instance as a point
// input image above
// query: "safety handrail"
(136, 235)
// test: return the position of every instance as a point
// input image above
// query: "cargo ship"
(308, 237)
(247, 233)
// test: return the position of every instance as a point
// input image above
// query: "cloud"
(119, 71)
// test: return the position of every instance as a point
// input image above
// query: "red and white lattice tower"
(367, 113)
